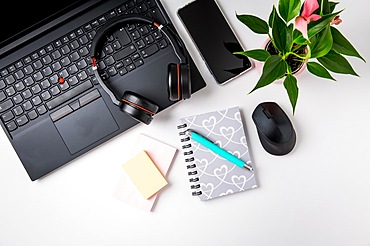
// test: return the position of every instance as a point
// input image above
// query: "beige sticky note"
(144, 174)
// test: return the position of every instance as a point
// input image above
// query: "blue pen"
(218, 150)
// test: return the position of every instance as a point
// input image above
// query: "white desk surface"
(319, 194)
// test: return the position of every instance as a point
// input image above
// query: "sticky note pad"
(144, 174)
(162, 154)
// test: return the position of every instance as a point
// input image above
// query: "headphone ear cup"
(185, 81)
(179, 85)
(174, 93)
(138, 107)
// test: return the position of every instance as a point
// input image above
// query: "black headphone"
(179, 84)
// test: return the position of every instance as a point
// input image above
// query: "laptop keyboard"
(62, 70)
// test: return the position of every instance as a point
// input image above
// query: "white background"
(319, 194)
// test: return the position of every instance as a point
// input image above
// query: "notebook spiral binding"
(189, 159)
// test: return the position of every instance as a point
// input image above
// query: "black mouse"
(274, 128)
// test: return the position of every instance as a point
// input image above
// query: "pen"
(218, 150)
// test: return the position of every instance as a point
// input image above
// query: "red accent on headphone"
(93, 59)
(137, 106)
(156, 24)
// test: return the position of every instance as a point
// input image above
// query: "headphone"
(179, 85)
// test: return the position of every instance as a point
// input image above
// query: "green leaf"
(318, 70)
(289, 9)
(332, 6)
(336, 63)
(290, 84)
(317, 26)
(279, 34)
(342, 45)
(324, 8)
(289, 37)
(256, 24)
(274, 68)
(321, 43)
(258, 54)
(272, 16)
(298, 38)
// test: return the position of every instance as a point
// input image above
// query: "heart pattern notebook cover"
(211, 175)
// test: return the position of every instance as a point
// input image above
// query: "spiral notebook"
(210, 175)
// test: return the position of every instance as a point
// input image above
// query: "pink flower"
(302, 21)
(336, 20)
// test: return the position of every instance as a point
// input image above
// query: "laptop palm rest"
(86, 125)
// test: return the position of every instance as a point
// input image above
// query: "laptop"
(41, 44)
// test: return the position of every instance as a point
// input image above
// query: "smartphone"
(214, 39)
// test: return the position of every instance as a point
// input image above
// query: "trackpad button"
(86, 125)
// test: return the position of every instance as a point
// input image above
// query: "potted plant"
(300, 33)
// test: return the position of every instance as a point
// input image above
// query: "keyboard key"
(36, 100)
(83, 51)
(74, 56)
(22, 120)
(27, 105)
(45, 95)
(6, 105)
(2, 96)
(56, 54)
(42, 110)
(55, 90)
(124, 52)
(46, 59)
(32, 114)
(18, 110)
(11, 126)
(157, 15)
(29, 81)
(138, 63)
(64, 86)
(19, 86)
(10, 91)
(2, 84)
(45, 84)
(37, 76)
(36, 89)
(7, 116)
(19, 74)
(17, 99)
(28, 69)
(122, 36)
(10, 79)
(37, 64)
(149, 50)
(83, 40)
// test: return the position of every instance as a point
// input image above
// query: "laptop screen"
(26, 16)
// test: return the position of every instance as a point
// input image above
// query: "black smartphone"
(214, 39)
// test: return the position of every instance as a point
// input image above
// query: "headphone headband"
(115, 22)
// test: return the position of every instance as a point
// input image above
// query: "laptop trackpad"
(86, 125)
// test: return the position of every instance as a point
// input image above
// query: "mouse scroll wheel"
(267, 113)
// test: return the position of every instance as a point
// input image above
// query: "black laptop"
(40, 45)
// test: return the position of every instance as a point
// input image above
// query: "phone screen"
(214, 39)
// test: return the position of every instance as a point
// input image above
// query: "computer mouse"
(275, 130)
